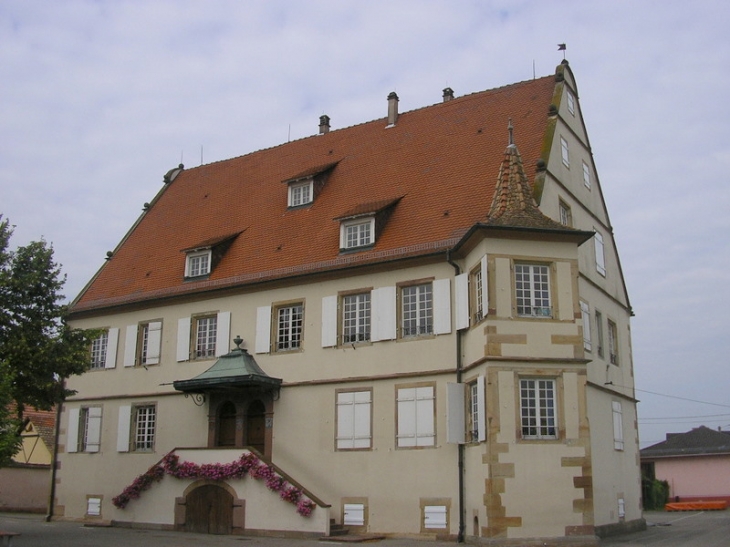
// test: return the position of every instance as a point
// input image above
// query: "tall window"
(206, 329)
(618, 425)
(98, 350)
(289, 323)
(417, 310)
(586, 175)
(416, 424)
(198, 264)
(612, 343)
(566, 216)
(474, 424)
(356, 318)
(353, 420)
(478, 288)
(564, 152)
(89, 429)
(599, 333)
(600, 256)
(538, 409)
(300, 194)
(571, 103)
(145, 421)
(586, 317)
(532, 290)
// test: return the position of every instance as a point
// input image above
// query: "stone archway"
(209, 510)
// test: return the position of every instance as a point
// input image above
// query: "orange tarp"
(696, 506)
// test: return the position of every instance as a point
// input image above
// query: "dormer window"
(198, 263)
(357, 233)
(301, 193)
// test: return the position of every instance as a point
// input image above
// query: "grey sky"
(98, 99)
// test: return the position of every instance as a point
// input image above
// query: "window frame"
(354, 438)
(345, 226)
(613, 342)
(295, 337)
(600, 251)
(585, 313)
(545, 269)
(98, 351)
(423, 434)
(361, 322)
(618, 425)
(598, 317)
(571, 102)
(544, 404)
(148, 432)
(423, 313)
(192, 270)
(476, 401)
(294, 200)
(209, 350)
(586, 175)
(85, 429)
(565, 213)
(564, 152)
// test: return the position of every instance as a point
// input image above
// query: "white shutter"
(354, 514)
(455, 419)
(600, 257)
(93, 429)
(329, 321)
(130, 346)
(154, 343)
(223, 334)
(425, 431)
(481, 408)
(585, 313)
(383, 314)
(183, 339)
(345, 419)
(72, 431)
(618, 426)
(407, 417)
(442, 306)
(125, 419)
(485, 287)
(263, 329)
(111, 348)
(461, 301)
(434, 516)
(361, 422)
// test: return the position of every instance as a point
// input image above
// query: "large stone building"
(435, 332)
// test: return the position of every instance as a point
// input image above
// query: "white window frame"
(566, 215)
(354, 420)
(301, 193)
(143, 344)
(600, 253)
(416, 409)
(571, 103)
(618, 425)
(586, 175)
(144, 429)
(99, 349)
(356, 317)
(205, 336)
(599, 333)
(532, 290)
(198, 263)
(89, 431)
(538, 408)
(564, 152)
(477, 410)
(357, 233)
(289, 327)
(613, 346)
(417, 310)
(585, 313)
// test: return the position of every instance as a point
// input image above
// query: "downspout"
(460, 446)
(54, 462)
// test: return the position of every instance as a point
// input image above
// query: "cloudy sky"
(98, 99)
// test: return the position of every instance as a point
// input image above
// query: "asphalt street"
(690, 529)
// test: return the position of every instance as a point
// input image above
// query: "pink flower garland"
(247, 463)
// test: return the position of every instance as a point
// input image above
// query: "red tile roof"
(441, 161)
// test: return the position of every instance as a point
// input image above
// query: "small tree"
(38, 349)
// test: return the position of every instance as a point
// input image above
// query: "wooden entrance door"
(209, 510)
(256, 426)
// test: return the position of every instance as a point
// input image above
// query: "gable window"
(357, 233)
(538, 409)
(354, 411)
(206, 331)
(356, 318)
(98, 350)
(532, 290)
(289, 325)
(197, 264)
(612, 343)
(300, 193)
(586, 317)
(145, 422)
(416, 310)
(600, 256)
(618, 425)
(571, 102)
(586, 175)
(564, 152)
(566, 216)
(416, 407)
(599, 333)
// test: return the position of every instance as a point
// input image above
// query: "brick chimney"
(392, 108)
(448, 94)
(324, 124)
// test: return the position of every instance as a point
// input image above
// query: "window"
(416, 407)
(571, 102)
(599, 333)
(566, 216)
(354, 420)
(612, 343)
(479, 291)
(600, 257)
(98, 350)
(353, 514)
(300, 193)
(532, 290)
(206, 329)
(145, 421)
(585, 313)
(356, 318)
(89, 429)
(477, 413)
(586, 175)
(93, 506)
(618, 425)
(416, 310)
(564, 152)
(435, 517)
(198, 264)
(538, 409)
(289, 324)
(143, 344)
(357, 233)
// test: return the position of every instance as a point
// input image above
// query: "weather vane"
(562, 47)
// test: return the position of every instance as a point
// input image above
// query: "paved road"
(692, 529)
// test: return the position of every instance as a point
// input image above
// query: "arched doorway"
(226, 424)
(209, 510)
(256, 426)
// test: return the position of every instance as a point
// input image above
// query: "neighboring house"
(436, 337)
(25, 485)
(696, 464)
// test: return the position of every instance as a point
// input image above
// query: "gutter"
(459, 447)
